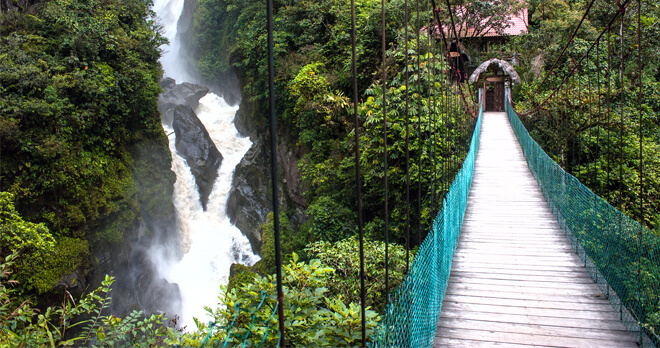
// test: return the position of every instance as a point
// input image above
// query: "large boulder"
(249, 200)
(175, 94)
(194, 144)
(250, 197)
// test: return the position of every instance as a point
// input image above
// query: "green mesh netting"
(411, 317)
(622, 257)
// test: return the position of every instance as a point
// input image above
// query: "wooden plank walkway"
(515, 281)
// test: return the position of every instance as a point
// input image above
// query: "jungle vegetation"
(79, 88)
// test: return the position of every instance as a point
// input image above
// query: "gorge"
(206, 147)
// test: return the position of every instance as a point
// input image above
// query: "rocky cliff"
(250, 198)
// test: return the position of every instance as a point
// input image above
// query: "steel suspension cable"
(468, 109)
(639, 105)
(386, 206)
(609, 126)
(609, 104)
(273, 172)
(432, 98)
(572, 138)
(358, 178)
(622, 124)
(589, 106)
(407, 77)
(641, 163)
(598, 72)
(570, 40)
(572, 71)
(428, 100)
(419, 129)
(445, 122)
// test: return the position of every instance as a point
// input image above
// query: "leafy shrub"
(74, 323)
(312, 318)
(291, 241)
(344, 258)
(329, 221)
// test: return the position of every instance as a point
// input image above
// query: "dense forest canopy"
(78, 91)
(79, 83)
(592, 125)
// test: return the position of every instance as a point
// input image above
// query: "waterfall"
(210, 242)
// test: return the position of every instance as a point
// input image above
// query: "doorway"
(495, 96)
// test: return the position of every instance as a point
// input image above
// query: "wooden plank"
(532, 321)
(520, 289)
(515, 278)
(535, 339)
(568, 283)
(486, 264)
(519, 247)
(602, 306)
(462, 343)
(520, 273)
(571, 277)
(530, 311)
(528, 296)
(548, 330)
(506, 259)
(514, 251)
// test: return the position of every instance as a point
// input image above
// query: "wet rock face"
(15, 5)
(154, 294)
(178, 94)
(250, 197)
(249, 200)
(194, 144)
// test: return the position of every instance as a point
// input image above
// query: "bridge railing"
(413, 311)
(622, 256)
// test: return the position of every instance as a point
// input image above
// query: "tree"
(473, 19)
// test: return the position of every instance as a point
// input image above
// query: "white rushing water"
(210, 242)
(168, 12)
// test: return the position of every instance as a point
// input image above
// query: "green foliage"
(80, 323)
(591, 126)
(313, 319)
(67, 256)
(290, 240)
(329, 221)
(45, 260)
(78, 96)
(313, 82)
(344, 257)
(483, 16)
(20, 236)
(242, 275)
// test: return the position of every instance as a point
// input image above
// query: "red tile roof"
(518, 24)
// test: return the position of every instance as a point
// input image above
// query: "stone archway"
(494, 84)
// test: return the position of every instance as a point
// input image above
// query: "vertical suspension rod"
(639, 105)
(641, 166)
(358, 178)
(407, 146)
(621, 125)
(609, 105)
(419, 131)
(273, 172)
(430, 106)
(386, 207)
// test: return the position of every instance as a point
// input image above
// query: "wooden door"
(490, 94)
(498, 97)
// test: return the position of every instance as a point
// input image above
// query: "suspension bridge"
(521, 253)
(515, 278)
